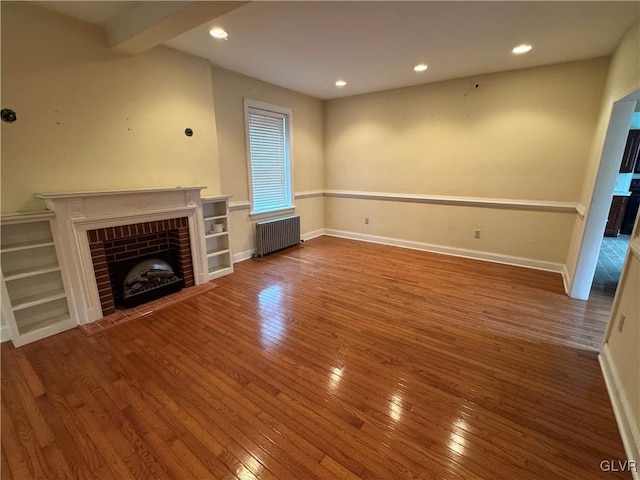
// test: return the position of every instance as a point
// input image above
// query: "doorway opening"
(609, 266)
(600, 260)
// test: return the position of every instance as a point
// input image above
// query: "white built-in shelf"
(216, 235)
(218, 217)
(218, 270)
(34, 302)
(38, 299)
(215, 254)
(30, 272)
(48, 326)
(26, 246)
(218, 244)
(27, 217)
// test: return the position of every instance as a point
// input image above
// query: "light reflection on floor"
(457, 442)
(272, 326)
(253, 468)
(334, 378)
(395, 407)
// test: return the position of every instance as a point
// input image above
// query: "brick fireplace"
(94, 228)
(111, 245)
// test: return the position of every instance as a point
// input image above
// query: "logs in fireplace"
(146, 278)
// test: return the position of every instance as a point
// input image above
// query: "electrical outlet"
(621, 324)
(476, 234)
(366, 220)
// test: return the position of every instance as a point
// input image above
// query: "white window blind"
(269, 159)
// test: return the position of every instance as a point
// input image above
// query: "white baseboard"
(629, 429)
(242, 256)
(566, 280)
(454, 251)
(4, 333)
(313, 234)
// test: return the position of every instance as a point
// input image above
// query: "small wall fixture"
(8, 115)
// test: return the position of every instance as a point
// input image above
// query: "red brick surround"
(109, 245)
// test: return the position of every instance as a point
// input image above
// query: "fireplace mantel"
(78, 212)
(92, 204)
(101, 193)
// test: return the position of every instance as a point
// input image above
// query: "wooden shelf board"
(39, 299)
(26, 246)
(215, 254)
(51, 322)
(213, 271)
(219, 217)
(215, 198)
(26, 217)
(214, 235)
(30, 272)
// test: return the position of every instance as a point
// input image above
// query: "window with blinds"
(269, 157)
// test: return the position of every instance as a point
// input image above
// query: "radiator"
(272, 235)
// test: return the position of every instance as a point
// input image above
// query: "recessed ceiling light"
(520, 49)
(421, 67)
(219, 33)
(340, 83)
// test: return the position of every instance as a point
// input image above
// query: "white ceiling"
(307, 46)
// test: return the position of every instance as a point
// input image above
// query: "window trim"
(290, 208)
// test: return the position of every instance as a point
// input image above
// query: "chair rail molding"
(486, 202)
(309, 194)
(506, 203)
(240, 205)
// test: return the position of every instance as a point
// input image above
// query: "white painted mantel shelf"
(107, 193)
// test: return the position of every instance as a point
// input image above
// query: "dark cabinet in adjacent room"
(630, 215)
(616, 215)
(631, 152)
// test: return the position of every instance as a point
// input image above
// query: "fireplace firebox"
(110, 246)
(148, 277)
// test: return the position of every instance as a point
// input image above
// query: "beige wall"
(519, 135)
(92, 120)
(453, 226)
(623, 346)
(229, 90)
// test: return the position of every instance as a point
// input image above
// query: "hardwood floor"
(336, 359)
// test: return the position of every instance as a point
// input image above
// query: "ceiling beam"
(152, 23)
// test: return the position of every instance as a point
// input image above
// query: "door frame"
(598, 211)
